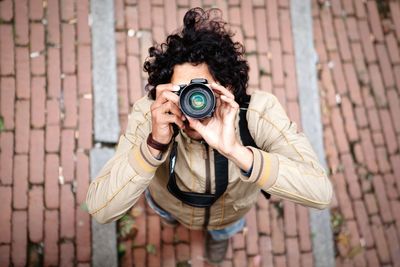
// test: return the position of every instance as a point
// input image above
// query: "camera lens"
(197, 101)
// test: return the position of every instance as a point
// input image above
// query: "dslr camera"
(196, 99)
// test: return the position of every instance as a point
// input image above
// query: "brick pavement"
(45, 79)
(358, 48)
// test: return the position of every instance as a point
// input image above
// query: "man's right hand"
(165, 111)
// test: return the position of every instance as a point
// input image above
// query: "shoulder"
(262, 104)
(142, 104)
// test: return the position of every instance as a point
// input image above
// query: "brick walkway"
(45, 68)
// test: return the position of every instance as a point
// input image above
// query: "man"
(176, 159)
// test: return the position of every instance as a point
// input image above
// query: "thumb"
(197, 125)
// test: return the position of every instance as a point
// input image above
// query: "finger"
(168, 86)
(164, 97)
(170, 107)
(196, 125)
(230, 101)
(222, 90)
(170, 118)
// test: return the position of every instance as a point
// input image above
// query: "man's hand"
(165, 111)
(219, 131)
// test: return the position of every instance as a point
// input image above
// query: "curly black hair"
(202, 39)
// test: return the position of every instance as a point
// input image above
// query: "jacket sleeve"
(286, 164)
(127, 174)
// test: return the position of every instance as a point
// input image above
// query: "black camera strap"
(204, 200)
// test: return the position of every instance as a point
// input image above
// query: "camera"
(196, 99)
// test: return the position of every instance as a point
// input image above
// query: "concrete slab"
(306, 60)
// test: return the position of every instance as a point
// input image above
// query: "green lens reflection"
(198, 101)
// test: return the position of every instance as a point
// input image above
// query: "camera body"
(197, 99)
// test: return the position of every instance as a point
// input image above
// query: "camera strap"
(204, 200)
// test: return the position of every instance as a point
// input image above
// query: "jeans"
(218, 235)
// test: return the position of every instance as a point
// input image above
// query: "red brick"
(385, 65)
(182, 252)
(285, 23)
(6, 12)
(371, 256)
(261, 30)
(82, 177)
(394, 106)
(120, 41)
(292, 252)
(51, 188)
(85, 123)
(53, 73)
(170, 15)
(21, 22)
(277, 64)
(388, 131)
(395, 163)
(20, 188)
(393, 242)
(67, 10)
(236, 19)
(238, 241)
(51, 239)
(338, 129)
(329, 88)
(141, 223)
(393, 49)
(70, 101)
(280, 261)
(68, 48)
(383, 159)
(83, 237)
(342, 195)
(37, 47)
(363, 223)
(239, 258)
(359, 63)
(354, 242)
(135, 87)
(35, 9)
(330, 148)
(266, 83)
(67, 254)
(266, 250)
(367, 41)
(369, 152)
(5, 254)
(371, 204)
(290, 218)
(52, 112)
(5, 210)
(19, 238)
(277, 231)
(381, 243)
(375, 21)
(338, 74)
(252, 233)
(381, 196)
(327, 25)
(36, 157)
(6, 157)
(52, 138)
(35, 213)
(377, 137)
(127, 257)
(350, 124)
(23, 82)
(168, 255)
(290, 77)
(352, 31)
(352, 82)
(6, 50)
(358, 153)
(344, 46)
(144, 7)
(307, 259)
(83, 28)
(153, 238)
(67, 212)
(254, 71)
(168, 234)
(67, 155)
(123, 103)
(303, 228)
(263, 221)
(351, 176)
(361, 117)
(53, 22)
(7, 98)
(118, 14)
(395, 10)
(374, 120)
(319, 40)
(196, 248)
(38, 102)
(84, 70)
(139, 256)
(390, 185)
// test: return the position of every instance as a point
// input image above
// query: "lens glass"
(198, 101)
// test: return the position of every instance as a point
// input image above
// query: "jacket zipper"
(208, 185)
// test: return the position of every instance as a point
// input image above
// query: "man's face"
(183, 74)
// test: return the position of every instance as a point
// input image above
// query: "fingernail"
(176, 88)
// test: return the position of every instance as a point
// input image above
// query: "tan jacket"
(285, 166)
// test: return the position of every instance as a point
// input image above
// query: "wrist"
(242, 157)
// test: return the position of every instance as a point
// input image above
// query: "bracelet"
(156, 145)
